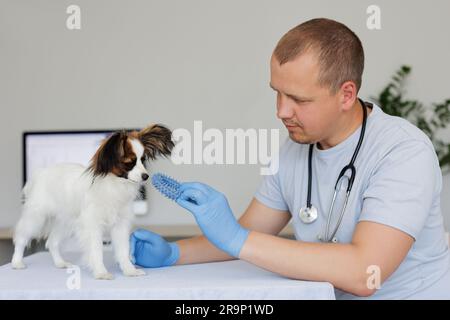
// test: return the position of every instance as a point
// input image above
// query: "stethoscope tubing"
(350, 166)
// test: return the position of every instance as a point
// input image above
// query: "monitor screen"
(44, 149)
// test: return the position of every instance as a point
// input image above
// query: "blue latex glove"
(214, 216)
(150, 250)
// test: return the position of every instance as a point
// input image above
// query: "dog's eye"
(142, 159)
(129, 164)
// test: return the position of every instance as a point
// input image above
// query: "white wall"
(136, 62)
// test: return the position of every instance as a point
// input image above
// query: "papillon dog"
(90, 202)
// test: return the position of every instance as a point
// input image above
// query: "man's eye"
(297, 101)
(294, 99)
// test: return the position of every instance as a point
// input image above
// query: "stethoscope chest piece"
(308, 214)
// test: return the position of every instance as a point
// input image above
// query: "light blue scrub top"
(398, 183)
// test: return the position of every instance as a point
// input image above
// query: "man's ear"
(157, 141)
(108, 155)
(348, 94)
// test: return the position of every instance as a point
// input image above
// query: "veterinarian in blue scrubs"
(390, 243)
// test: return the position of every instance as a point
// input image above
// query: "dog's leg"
(91, 239)
(29, 227)
(95, 257)
(120, 236)
(17, 259)
(53, 243)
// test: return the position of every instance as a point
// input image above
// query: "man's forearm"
(339, 264)
(199, 250)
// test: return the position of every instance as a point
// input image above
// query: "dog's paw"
(63, 264)
(18, 265)
(134, 272)
(103, 276)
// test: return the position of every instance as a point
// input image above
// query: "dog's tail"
(28, 185)
(25, 192)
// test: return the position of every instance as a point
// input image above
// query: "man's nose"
(144, 176)
(284, 109)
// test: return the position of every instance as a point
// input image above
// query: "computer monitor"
(42, 149)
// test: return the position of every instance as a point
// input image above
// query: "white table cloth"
(219, 280)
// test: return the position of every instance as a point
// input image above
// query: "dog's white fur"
(65, 199)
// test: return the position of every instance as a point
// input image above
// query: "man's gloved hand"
(214, 216)
(150, 250)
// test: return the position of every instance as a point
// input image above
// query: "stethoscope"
(308, 214)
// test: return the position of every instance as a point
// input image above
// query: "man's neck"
(346, 127)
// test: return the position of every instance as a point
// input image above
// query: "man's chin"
(299, 138)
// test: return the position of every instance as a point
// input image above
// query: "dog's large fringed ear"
(157, 140)
(108, 154)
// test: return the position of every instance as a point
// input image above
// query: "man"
(392, 225)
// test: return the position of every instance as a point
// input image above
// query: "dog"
(88, 202)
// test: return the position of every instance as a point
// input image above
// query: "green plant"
(429, 119)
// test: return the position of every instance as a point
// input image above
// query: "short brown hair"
(340, 52)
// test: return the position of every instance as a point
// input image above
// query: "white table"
(216, 281)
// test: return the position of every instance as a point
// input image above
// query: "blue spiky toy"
(169, 187)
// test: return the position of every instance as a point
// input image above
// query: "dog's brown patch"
(157, 140)
(116, 155)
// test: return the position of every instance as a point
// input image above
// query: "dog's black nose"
(144, 176)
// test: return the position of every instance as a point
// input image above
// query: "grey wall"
(136, 62)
